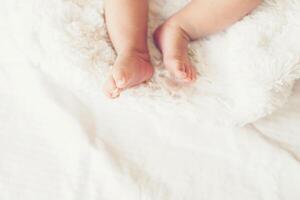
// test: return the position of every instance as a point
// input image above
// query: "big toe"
(110, 88)
(119, 78)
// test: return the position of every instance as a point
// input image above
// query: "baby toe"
(110, 88)
(189, 72)
(194, 77)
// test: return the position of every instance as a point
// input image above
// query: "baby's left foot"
(173, 43)
(129, 70)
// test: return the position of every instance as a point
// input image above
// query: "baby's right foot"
(129, 70)
(173, 43)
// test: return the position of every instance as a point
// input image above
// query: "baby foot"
(129, 70)
(173, 43)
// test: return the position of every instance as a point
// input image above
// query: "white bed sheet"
(283, 127)
(55, 144)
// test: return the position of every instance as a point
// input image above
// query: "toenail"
(120, 82)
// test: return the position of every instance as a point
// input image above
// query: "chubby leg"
(199, 18)
(127, 26)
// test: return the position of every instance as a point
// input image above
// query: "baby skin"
(127, 26)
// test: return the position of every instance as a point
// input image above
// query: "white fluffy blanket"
(62, 139)
(247, 71)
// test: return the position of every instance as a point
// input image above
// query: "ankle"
(173, 25)
(141, 53)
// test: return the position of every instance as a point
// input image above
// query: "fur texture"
(247, 71)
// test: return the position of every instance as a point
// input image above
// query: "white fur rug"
(247, 71)
(60, 138)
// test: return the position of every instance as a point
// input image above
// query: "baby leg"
(199, 18)
(127, 26)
